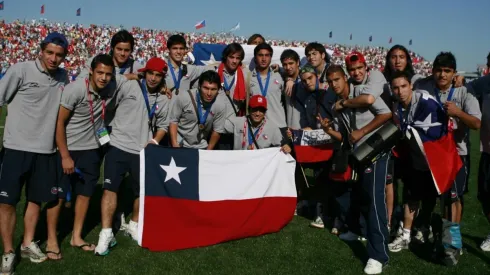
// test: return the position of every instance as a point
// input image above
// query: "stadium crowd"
(58, 134)
(19, 42)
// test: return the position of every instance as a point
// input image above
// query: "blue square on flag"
(176, 174)
(207, 54)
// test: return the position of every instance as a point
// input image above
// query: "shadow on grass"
(93, 217)
(476, 252)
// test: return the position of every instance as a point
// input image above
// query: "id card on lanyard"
(102, 134)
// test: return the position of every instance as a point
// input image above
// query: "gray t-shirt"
(360, 117)
(130, 129)
(275, 108)
(267, 135)
(231, 80)
(126, 69)
(33, 98)
(184, 115)
(463, 100)
(80, 130)
(295, 106)
(373, 84)
(190, 73)
(480, 88)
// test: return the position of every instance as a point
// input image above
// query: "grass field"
(297, 249)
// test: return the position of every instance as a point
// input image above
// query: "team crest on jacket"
(276, 82)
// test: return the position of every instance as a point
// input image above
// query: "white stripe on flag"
(142, 197)
(238, 175)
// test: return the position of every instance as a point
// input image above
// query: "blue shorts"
(37, 171)
(88, 162)
(116, 164)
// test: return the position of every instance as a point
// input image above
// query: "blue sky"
(434, 25)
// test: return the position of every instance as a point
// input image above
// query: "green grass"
(297, 249)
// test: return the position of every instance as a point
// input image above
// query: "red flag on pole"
(42, 9)
(391, 40)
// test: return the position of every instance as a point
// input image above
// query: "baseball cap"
(355, 57)
(307, 69)
(57, 39)
(258, 101)
(155, 64)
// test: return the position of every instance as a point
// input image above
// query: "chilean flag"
(429, 133)
(193, 198)
(200, 24)
(312, 146)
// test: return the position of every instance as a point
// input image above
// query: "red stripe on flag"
(444, 161)
(172, 224)
(312, 154)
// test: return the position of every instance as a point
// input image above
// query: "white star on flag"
(426, 124)
(211, 61)
(172, 171)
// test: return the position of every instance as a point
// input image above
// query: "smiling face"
(357, 71)
(121, 53)
(52, 56)
(101, 76)
(315, 58)
(177, 53)
(257, 114)
(443, 77)
(153, 79)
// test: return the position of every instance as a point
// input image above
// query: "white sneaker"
(132, 230)
(317, 223)
(33, 253)
(350, 236)
(373, 267)
(8, 262)
(485, 245)
(398, 244)
(124, 225)
(106, 242)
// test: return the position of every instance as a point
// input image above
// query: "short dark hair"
(334, 68)
(401, 74)
(232, 49)
(445, 59)
(102, 59)
(211, 77)
(253, 37)
(315, 46)
(176, 39)
(289, 54)
(122, 36)
(56, 41)
(263, 46)
(388, 71)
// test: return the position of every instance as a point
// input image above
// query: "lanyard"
(401, 117)
(250, 138)
(151, 111)
(228, 87)
(449, 97)
(176, 81)
(263, 89)
(90, 103)
(202, 118)
(319, 100)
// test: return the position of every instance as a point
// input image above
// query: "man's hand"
(275, 68)
(286, 149)
(451, 109)
(355, 136)
(325, 123)
(68, 165)
(166, 91)
(339, 105)
(289, 87)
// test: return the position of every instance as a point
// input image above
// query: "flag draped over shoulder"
(430, 132)
(192, 198)
(312, 146)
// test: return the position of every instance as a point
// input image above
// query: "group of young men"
(57, 135)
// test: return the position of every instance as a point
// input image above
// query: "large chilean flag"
(192, 198)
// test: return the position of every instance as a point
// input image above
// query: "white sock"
(106, 231)
(406, 234)
(133, 223)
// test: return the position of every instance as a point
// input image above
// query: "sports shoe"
(106, 242)
(485, 245)
(132, 230)
(350, 236)
(398, 244)
(8, 262)
(317, 223)
(373, 267)
(33, 253)
(423, 235)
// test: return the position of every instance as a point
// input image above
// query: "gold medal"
(201, 127)
(228, 93)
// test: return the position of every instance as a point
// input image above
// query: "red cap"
(353, 55)
(258, 101)
(155, 64)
